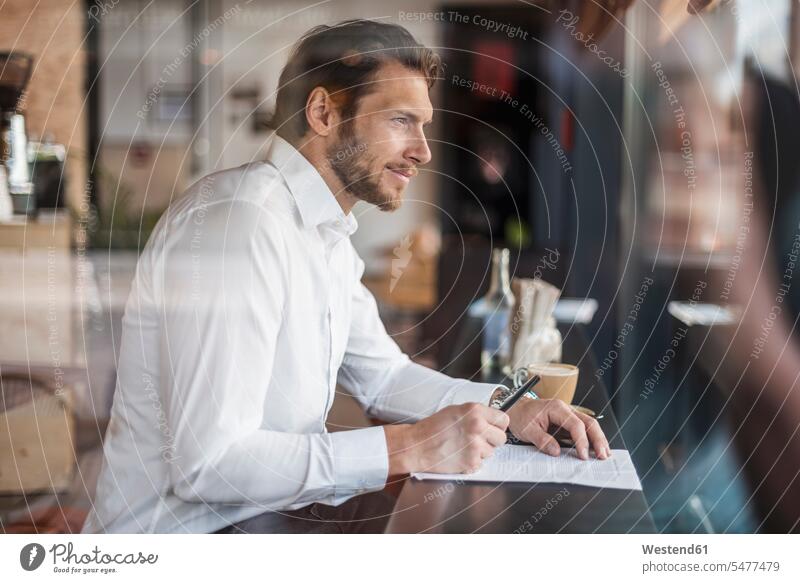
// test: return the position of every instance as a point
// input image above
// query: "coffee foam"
(553, 370)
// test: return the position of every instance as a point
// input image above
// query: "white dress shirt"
(246, 309)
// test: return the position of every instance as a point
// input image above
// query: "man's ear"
(320, 113)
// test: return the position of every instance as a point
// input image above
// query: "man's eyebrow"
(413, 116)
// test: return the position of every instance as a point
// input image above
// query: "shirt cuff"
(471, 392)
(360, 462)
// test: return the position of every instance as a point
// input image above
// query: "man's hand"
(697, 6)
(533, 419)
(454, 440)
(598, 16)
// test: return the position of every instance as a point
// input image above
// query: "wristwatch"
(502, 393)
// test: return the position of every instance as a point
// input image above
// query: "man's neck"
(314, 151)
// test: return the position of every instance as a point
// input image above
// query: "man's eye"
(400, 120)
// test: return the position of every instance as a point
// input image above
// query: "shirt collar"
(315, 201)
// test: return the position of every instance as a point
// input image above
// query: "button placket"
(332, 322)
(328, 245)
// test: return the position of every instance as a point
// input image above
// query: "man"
(247, 309)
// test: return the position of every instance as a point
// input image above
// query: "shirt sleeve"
(385, 381)
(223, 287)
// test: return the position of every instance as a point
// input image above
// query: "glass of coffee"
(559, 381)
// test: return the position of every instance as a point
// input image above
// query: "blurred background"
(631, 153)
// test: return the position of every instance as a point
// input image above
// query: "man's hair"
(343, 59)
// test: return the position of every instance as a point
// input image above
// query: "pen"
(529, 384)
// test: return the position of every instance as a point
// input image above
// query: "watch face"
(502, 397)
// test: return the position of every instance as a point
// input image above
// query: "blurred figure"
(760, 360)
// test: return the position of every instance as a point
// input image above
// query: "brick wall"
(53, 32)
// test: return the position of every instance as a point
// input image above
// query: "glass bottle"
(496, 309)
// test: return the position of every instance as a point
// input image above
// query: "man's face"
(376, 153)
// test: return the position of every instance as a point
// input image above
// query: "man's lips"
(404, 173)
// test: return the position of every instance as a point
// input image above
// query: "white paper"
(703, 314)
(575, 311)
(525, 463)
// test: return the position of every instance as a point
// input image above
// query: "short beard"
(352, 167)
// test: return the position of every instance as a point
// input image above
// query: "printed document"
(525, 463)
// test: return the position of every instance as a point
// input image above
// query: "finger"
(597, 438)
(564, 417)
(495, 417)
(495, 436)
(697, 6)
(473, 467)
(486, 451)
(541, 439)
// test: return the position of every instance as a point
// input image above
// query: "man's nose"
(418, 150)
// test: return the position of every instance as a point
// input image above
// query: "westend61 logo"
(65, 560)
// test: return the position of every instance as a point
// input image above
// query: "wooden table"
(451, 507)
